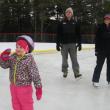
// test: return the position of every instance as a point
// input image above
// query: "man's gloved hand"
(39, 92)
(79, 47)
(58, 47)
(5, 55)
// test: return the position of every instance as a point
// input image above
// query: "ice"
(63, 93)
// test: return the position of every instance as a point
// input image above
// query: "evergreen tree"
(16, 16)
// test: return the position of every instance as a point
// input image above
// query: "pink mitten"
(5, 54)
(39, 93)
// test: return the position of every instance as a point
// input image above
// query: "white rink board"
(38, 46)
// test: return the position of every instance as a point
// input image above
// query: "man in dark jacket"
(68, 39)
(102, 49)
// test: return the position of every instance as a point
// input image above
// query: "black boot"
(65, 74)
(78, 75)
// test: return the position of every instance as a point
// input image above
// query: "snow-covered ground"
(60, 93)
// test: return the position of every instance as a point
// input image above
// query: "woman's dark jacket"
(102, 39)
(68, 32)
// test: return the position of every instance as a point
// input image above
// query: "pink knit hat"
(29, 41)
(23, 44)
(107, 16)
(69, 9)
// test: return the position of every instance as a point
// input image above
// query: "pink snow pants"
(21, 97)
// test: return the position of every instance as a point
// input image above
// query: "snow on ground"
(60, 93)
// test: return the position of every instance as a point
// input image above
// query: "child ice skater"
(23, 71)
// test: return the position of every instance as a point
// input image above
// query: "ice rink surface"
(60, 93)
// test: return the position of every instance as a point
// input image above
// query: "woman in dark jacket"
(102, 50)
(67, 38)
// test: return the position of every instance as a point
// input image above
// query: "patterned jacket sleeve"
(34, 72)
(5, 64)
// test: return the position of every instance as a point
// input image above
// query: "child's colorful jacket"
(23, 71)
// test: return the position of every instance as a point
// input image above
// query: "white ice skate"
(96, 84)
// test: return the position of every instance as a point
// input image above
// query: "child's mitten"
(5, 55)
(39, 92)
